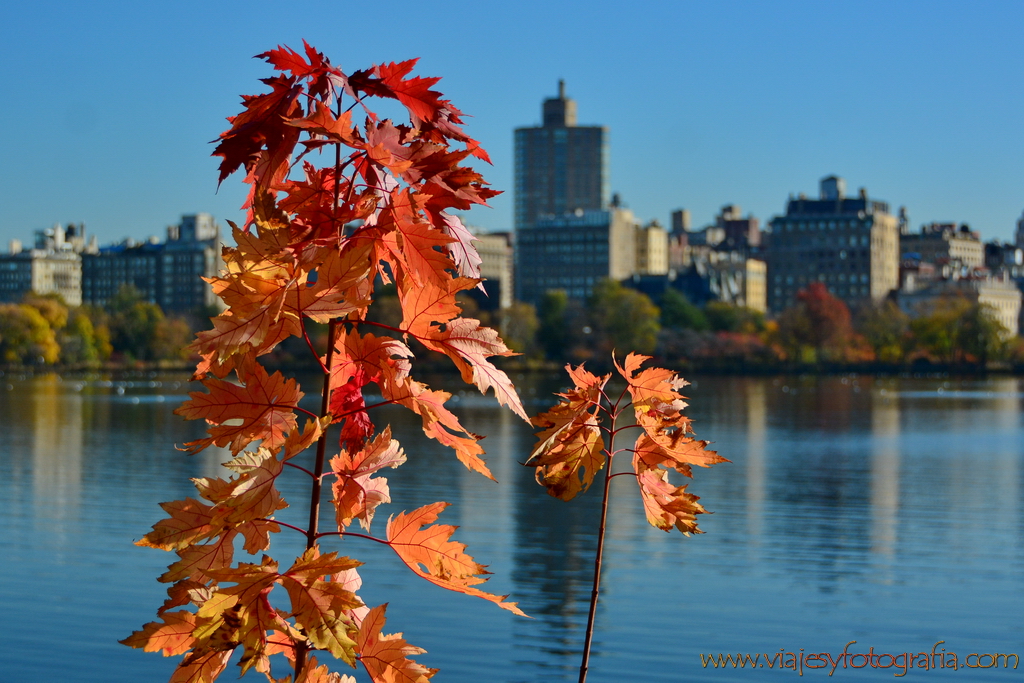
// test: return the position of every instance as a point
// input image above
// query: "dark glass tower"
(560, 167)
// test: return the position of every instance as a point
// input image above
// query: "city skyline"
(706, 106)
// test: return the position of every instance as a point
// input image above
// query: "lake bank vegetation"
(819, 335)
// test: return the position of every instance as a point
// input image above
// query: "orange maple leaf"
(570, 449)
(197, 560)
(568, 467)
(321, 607)
(468, 345)
(441, 424)
(386, 657)
(356, 492)
(658, 407)
(314, 673)
(251, 496)
(241, 614)
(428, 551)
(191, 521)
(264, 403)
(171, 637)
(665, 505)
(427, 305)
(201, 667)
(386, 362)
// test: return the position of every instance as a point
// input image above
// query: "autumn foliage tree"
(820, 323)
(318, 243)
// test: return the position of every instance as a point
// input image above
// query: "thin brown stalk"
(599, 554)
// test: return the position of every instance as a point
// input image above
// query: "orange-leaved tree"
(316, 243)
(578, 439)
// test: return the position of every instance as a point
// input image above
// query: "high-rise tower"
(560, 167)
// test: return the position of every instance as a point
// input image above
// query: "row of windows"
(563, 235)
(839, 240)
(567, 259)
(556, 282)
(834, 291)
(565, 249)
(823, 277)
(801, 226)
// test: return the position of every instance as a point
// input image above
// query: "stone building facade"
(849, 243)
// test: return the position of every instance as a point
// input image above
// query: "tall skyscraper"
(560, 167)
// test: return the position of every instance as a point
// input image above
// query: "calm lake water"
(883, 511)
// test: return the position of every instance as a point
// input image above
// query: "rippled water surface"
(882, 511)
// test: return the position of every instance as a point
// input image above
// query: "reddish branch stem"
(321, 444)
(326, 533)
(596, 591)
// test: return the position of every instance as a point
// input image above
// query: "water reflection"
(885, 474)
(850, 508)
(756, 467)
(56, 419)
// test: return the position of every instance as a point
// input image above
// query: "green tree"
(519, 325)
(794, 336)
(678, 313)
(622, 318)
(725, 317)
(170, 337)
(133, 324)
(959, 331)
(887, 330)
(982, 336)
(553, 332)
(78, 340)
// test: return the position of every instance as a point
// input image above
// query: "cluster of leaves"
(572, 448)
(317, 244)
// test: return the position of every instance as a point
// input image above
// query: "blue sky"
(110, 106)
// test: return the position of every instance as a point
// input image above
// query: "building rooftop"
(834, 207)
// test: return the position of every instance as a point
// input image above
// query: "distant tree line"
(820, 330)
(44, 330)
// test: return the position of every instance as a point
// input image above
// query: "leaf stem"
(353, 533)
(611, 432)
(309, 343)
(301, 469)
(386, 327)
(307, 412)
(286, 524)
